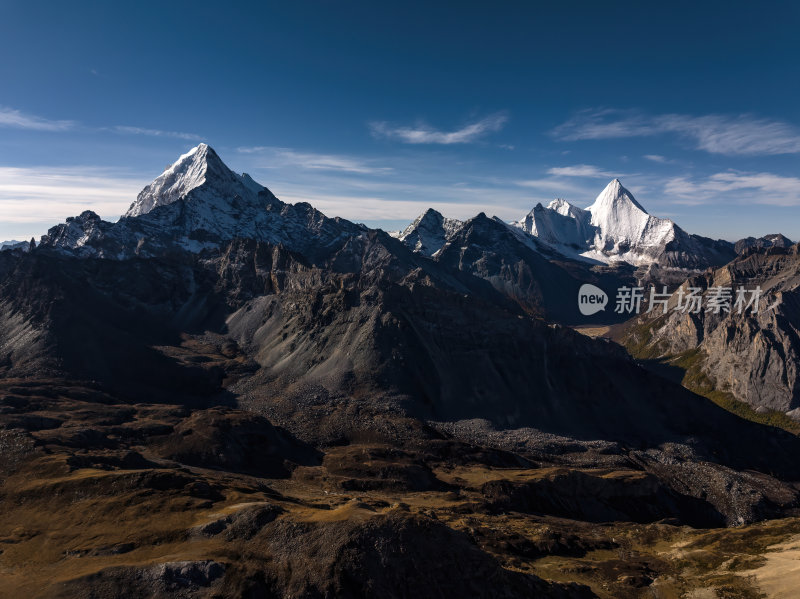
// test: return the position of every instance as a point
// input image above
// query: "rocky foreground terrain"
(222, 395)
(103, 498)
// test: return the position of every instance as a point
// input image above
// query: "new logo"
(591, 299)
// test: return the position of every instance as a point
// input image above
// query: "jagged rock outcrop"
(429, 232)
(768, 241)
(753, 355)
(523, 269)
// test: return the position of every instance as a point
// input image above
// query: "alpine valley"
(225, 395)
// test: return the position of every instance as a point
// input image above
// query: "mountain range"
(197, 204)
(313, 302)
(200, 212)
(614, 229)
(199, 201)
(290, 391)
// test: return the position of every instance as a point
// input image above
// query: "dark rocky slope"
(371, 344)
(753, 356)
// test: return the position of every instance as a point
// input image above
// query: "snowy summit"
(617, 228)
(199, 167)
(197, 204)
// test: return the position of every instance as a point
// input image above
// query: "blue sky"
(376, 110)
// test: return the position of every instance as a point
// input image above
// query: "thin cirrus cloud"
(744, 135)
(16, 119)
(277, 157)
(155, 132)
(425, 134)
(758, 188)
(378, 208)
(391, 201)
(581, 170)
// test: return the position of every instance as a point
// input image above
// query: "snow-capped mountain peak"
(248, 182)
(619, 217)
(617, 228)
(564, 208)
(615, 198)
(199, 204)
(199, 167)
(429, 232)
(560, 224)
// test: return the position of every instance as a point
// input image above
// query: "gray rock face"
(189, 579)
(526, 270)
(754, 356)
(768, 241)
(429, 232)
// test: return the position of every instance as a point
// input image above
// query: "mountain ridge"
(198, 204)
(614, 229)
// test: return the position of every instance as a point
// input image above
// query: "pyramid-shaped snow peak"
(619, 217)
(200, 167)
(198, 204)
(429, 232)
(615, 196)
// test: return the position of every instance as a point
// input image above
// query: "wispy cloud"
(366, 189)
(20, 120)
(657, 158)
(154, 132)
(282, 157)
(756, 188)
(16, 119)
(377, 208)
(49, 195)
(425, 134)
(713, 133)
(399, 196)
(581, 170)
